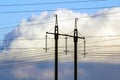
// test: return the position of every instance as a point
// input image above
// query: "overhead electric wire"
(88, 46)
(41, 54)
(104, 40)
(103, 46)
(98, 48)
(62, 47)
(8, 24)
(103, 36)
(114, 57)
(32, 39)
(27, 56)
(26, 53)
(102, 59)
(61, 20)
(106, 52)
(46, 54)
(116, 37)
(49, 3)
(97, 55)
(50, 10)
(24, 63)
(107, 58)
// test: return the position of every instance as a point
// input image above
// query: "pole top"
(76, 19)
(56, 20)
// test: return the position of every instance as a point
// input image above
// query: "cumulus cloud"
(33, 72)
(45, 71)
(86, 71)
(25, 43)
(28, 33)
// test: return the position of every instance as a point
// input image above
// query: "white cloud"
(36, 26)
(22, 72)
(45, 71)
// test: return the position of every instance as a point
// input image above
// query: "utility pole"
(56, 32)
(75, 49)
(75, 37)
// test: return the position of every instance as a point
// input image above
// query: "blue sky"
(11, 20)
(88, 69)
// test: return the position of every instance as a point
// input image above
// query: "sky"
(11, 20)
(22, 54)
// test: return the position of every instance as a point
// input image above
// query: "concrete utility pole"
(75, 37)
(56, 32)
(75, 49)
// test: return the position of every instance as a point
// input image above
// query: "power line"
(18, 62)
(49, 3)
(27, 39)
(107, 40)
(103, 36)
(14, 64)
(31, 56)
(8, 24)
(103, 46)
(32, 39)
(26, 48)
(5, 28)
(24, 63)
(51, 54)
(68, 38)
(38, 55)
(26, 53)
(74, 9)
(62, 20)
